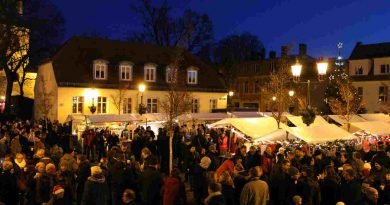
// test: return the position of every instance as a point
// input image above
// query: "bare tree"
(119, 96)
(349, 103)
(177, 100)
(276, 94)
(46, 97)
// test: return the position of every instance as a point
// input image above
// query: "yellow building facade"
(72, 88)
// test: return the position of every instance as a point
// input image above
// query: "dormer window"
(359, 70)
(192, 76)
(126, 71)
(150, 72)
(170, 75)
(100, 70)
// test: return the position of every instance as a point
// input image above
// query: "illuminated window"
(195, 106)
(150, 73)
(213, 104)
(100, 70)
(126, 71)
(359, 70)
(152, 105)
(170, 75)
(192, 76)
(126, 105)
(383, 91)
(385, 69)
(102, 105)
(77, 104)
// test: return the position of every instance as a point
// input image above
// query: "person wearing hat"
(150, 182)
(96, 188)
(8, 185)
(57, 196)
(200, 182)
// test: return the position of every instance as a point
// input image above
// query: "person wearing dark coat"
(9, 191)
(200, 184)
(83, 172)
(329, 184)
(117, 180)
(96, 188)
(215, 196)
(150, 183)
(308, 188)
(350, 189)
(174, 190)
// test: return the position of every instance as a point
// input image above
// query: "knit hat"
(96, 170)
(58, 190)
(205, 162)
(367, 166)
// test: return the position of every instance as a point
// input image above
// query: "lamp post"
(296, 69)
(141, 108)
(229, 102)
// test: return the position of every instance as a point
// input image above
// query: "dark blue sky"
(318, 23)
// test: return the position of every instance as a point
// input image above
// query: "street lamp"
(322, 67)
(229, 102)
(291, 93)
(142, 108)
(274, 98)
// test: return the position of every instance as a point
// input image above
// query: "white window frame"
(213, 104)
(127, 105)
(150, 73)
(126, 68)
(195, 105)
(387, 69)
(152, 105)
(101, 101)
(170, 75)
(192, 76)
(78, 102)
(101, 67)
(382, 97)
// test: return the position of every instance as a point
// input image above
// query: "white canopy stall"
(297, 121)
(252, 127)
(341, 120)
(373, 127)
(319, 133)
(202, 117)
(376, 117)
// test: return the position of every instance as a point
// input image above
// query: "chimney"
(20, 7)
(272, 54)
(358, 43)
(302, 49)
(284, 51)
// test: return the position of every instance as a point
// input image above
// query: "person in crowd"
(350, 188)
(266, 161)
(150, 182)
(227, 187)
(255, 191)
(82, 174)
(174, 190)
(96, 188)
(201, 182)
(129, 197)
(215, 196)
(308, 188)
(329, 185)
(9, 192)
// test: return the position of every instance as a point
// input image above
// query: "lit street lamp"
(291, 93)
(322, 67)
(274, 98)
(229, 100)
(142, 108)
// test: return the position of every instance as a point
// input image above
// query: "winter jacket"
(95, 191)
(215, 198)
(69, 162)
(150, 183)
(174, 192)
(351, 192)
(9, 192)
(255, 192)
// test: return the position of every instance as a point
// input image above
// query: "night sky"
(318, 23)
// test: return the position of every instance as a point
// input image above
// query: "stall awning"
(297, 121)
(340, 119)
(253, 127)
(202, 116)
(376, 117)
(320, 133)
(112, 118)
(246, 114)
(152, 117)
(75, 118)
(373, 127)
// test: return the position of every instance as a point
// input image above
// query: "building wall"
(377, 64)
(66, 94)
(371, 94)
(365, 63)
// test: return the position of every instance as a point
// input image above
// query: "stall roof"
(340, 119)
(320, 133)
(112, 118)
(279, 134)
(253, 127)
(202, 116)
(75, 118)
(152, 117)
(376, 117)
(297, 121)
(269, 114)
(373, 127)
(246, 114)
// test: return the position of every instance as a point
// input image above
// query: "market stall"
(298, 122)
(252, 127)
(373, 127)
(201, 117)
(376, 117)
(341, 119)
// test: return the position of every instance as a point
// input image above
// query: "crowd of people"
(43, 163)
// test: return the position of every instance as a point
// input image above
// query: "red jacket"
(227, 165)
(173, 192)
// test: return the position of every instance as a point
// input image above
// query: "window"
(359, 70)
(100, 70)
(246, 87)
(360, 92)
(170, 75)
(257, 87)
(126, 105)
(152, 105)
(77, 104)
(195, 106)
(126, 72)
(382, 94)
(213, 104)
(385, 69)
(150, 73)
(102, 105)
(192, 77)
